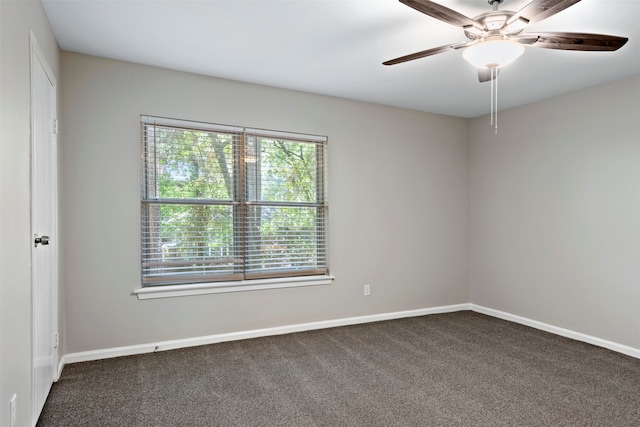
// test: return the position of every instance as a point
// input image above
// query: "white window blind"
(222, 203)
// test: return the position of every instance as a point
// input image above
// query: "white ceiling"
(336, 47)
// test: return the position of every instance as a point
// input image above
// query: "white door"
(44, 220)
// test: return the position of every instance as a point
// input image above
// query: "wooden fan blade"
(577, 41)
(440, 12)
(419, 55)
(538, 10)
(485, 75)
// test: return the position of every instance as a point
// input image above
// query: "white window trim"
(170, 291)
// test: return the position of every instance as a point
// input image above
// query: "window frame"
(245, 280)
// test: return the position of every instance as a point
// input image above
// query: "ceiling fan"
(497, 38)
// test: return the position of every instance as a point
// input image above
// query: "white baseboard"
(86, 356)
(578, 336)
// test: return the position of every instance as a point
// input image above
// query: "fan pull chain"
(495, 122)
(491, 76)
(493, 70)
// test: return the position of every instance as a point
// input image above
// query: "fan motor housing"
(492, 24)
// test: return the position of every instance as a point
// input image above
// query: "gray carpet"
(456, 369)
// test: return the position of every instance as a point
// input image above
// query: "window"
(224, 203)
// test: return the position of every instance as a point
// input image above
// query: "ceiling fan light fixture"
(493, 53)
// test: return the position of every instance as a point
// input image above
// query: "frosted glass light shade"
(493, 53)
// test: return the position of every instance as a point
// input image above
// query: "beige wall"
(399, 193)
(553, 221)
(555, 212)
(17, 17)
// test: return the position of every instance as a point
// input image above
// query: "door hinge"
(55, 126)
(56, 340)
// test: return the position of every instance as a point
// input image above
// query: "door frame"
(38, 59)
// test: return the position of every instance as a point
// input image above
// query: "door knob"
(44, 240)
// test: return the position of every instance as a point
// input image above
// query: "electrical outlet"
(13, 405)
(367, 290)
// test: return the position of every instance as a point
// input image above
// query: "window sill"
(170, 291)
